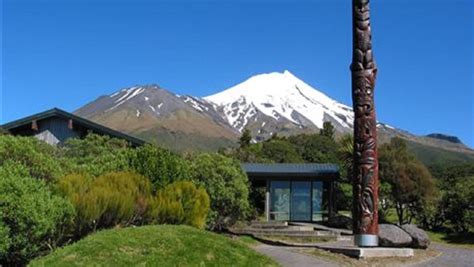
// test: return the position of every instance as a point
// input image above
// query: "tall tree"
(327, 130)
(245, 138)
(412, 185)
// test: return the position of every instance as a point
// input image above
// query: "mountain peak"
(449, 138)
(283, 97)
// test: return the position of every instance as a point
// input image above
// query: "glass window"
(317, 201)
(280, 200)
(301, 201)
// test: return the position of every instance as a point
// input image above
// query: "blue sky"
(67, 53)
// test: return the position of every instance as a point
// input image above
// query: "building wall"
(55, 131)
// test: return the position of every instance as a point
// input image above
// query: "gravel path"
(286, 257)
(450, 257)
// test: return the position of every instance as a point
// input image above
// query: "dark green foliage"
(411, 183)
(257, 201)
(250, 154)
(161, 166)
(345, 154)
(315, 148)
(343, 191)
(245, 139)
(280, 151)
(227, 186)
(32, 220)
(327, 130)
(457, 205)
(343, 188)
(4, 240)
(95, 155)
(180, 203)
(448, 174)
(36, 156)
(3, 131)
(108, 200)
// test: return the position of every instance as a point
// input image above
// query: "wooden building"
(55, 126)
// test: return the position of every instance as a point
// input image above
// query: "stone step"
(284, 232)
(272, 225)
(318, 226)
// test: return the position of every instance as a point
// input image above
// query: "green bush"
(36, 156)
(161, 166)
(181, 203)
(457, 205)
(227, 186)
(4, 239)
(32, 220)
(108, 200)
(95, 155)
(3, 131)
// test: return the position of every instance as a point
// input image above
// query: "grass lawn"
(465, 240)
(157, 245)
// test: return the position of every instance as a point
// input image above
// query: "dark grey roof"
(290, 169)
(94, 127)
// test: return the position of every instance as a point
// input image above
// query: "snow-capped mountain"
(280, 96)
(157, 115)
(282, 103)
(266, 104)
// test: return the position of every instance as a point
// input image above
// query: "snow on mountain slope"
(280, 96)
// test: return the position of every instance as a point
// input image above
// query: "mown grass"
(159, 245)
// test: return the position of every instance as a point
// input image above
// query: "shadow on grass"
(459, 238)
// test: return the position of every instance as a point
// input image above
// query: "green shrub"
(36, 156)
(108, 200)
(4, 131)
(4, 239)
(181, 203)
(95, 155)
(457, 205)
(32, 219)
(161, 166)
(227, 186)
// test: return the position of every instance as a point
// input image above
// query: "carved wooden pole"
(365, 174)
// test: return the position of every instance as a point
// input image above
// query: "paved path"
(287, 257)
(450, 257)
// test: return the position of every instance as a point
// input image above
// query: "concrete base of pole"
(366, 240)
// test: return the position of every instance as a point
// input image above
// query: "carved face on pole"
(365, 179)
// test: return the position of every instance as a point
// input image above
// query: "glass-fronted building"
(295, 192)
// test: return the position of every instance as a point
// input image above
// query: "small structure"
(55, 126)
(295, 192)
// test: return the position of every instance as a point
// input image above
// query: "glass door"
(300, 201)
(280, 200)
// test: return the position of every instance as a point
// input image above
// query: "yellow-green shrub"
(108, 200)
(181, 203)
